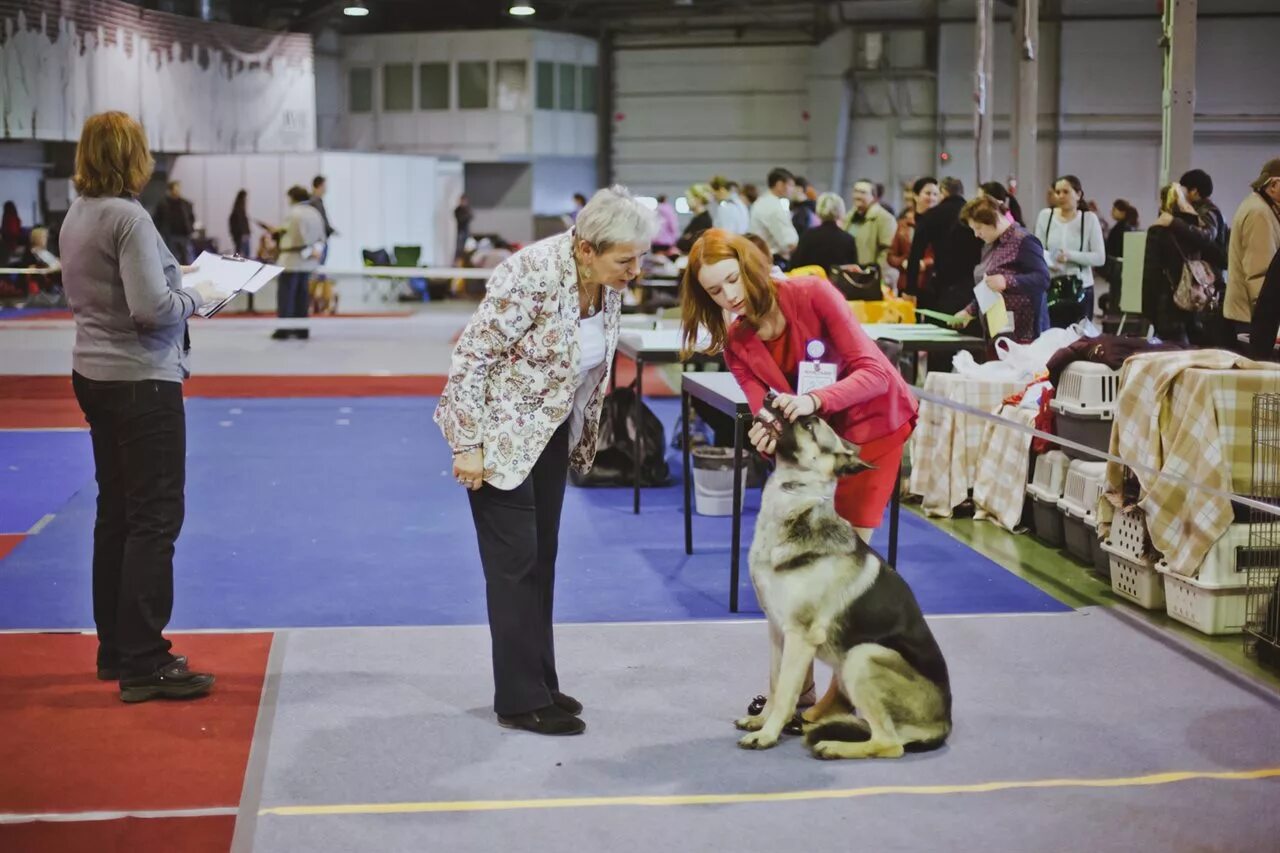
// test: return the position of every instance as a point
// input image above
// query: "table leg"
(688, 473)
(894, 506)
(734, 570)
(635, 423)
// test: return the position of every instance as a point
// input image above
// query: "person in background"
(956, 251)
(668, 226)
(462, 216)
(320, 186)
(923, 197)
(871, 225)
(10, 231)
(1266, 316)
(750, 192)
(883, 202)
(1198, 187)
(730, 212)
(1073, 245)
(1012, 265)
(37, 255)
(769, 216)
(175, 218)
(776, 320)
(579, 202)
(1177, 236)
(1126, 219)
(523, 401)
(1255, 238)
(125, 289)
(239, 225)
(804, 203)
(302, 247)
(829, 245)
(1006, 199)
(700, 199)
(45, 288)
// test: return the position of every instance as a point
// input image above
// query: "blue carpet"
(325, 512)
(39, 472)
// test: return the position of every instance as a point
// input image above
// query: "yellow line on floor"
(774, 797)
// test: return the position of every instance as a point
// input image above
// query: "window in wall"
(360, 90)
(473, 85)
(433, 86)
(397, 88)
(512, 85)
(546, 86)
(568, 87)
(588, 88)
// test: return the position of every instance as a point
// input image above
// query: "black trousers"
(139, 433)
(293, 294)
(519, 536)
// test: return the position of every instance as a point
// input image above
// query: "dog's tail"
(848, 729)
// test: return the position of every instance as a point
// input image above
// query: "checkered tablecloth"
(947, 445)
(1001, 482)
(1190, 414)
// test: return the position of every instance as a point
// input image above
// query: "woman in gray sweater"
(125, 290)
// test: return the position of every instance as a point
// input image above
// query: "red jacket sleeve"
(747, 379)
(864, 367)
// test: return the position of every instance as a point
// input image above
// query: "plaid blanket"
(1185, 413)
(1001, 482)
(947, 445)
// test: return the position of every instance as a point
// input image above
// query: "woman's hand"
(468, 469)
(188, 269)
(208, 291)
(1061, 258)
(761, 438)
(997, 282)
(796, 406)
(960, 320)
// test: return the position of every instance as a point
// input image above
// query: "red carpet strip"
(127, 835)
(68, 744)
(9, 541)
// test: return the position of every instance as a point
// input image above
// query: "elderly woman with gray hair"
(828, 246)
(522, 404)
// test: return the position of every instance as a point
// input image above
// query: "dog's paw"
(827, 750)
(750, 724)
(758, 740)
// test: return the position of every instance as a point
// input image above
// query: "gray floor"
(401, 716)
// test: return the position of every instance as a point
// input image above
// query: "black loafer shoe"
(112, 672)
(550, 720)
(171, 681)
(566, 703)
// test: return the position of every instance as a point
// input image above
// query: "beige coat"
(1255, 238)
(514, 376)
(874, 235)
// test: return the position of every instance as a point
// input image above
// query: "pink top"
(869, 399)
(668, 225)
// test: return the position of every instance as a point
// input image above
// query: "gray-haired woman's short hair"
(830, 207)
(615, 216)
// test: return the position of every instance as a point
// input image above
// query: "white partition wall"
(373, 200)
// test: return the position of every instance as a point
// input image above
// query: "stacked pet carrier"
(1079, 507)
(1084, 406)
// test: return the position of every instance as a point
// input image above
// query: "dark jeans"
(293, 296)
(519, 535)
(139, 433)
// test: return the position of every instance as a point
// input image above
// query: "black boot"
(551, 720)
(171, 681)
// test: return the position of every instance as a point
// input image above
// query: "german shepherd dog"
(828, 594)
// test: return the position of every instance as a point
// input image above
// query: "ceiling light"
(521, 10)
(355, 9)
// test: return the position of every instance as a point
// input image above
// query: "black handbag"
(1067, 295)
(858, 287)
(615, 446)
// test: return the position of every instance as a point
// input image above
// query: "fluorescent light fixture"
(521, 10)
(648, 201)
(355, 9)
(682, 205)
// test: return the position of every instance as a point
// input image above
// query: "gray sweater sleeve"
(152, 303)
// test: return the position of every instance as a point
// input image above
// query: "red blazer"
(869, 399)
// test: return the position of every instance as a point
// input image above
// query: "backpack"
(615, 446)
(1196, 290)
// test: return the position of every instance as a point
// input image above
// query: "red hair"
(699, 310)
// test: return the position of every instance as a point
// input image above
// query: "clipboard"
(232, 275)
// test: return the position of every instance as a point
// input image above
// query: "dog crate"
(1213, 601)
(1079, 508)
(1133, 572)
(1045, 489)
(1084, 405)
(1262, 575)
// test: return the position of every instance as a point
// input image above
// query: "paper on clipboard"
(231, 276)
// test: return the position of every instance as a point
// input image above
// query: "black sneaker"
(566, 703)
(551, 720)
(112, 672)
(171, 681)
(280, 334)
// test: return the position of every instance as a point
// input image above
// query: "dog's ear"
(849, 461)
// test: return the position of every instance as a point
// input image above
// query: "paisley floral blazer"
(514, 376)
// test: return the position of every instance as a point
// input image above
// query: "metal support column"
(604, 108)
(983, 87)
(1026, 103)
(1179, 102)
(840, 159)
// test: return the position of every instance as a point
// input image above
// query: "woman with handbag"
(1073, 246)
(828, 246)
(1179, 289)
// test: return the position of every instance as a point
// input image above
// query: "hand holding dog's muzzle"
(765, 431)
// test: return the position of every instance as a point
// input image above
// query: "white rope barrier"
(1252, 503)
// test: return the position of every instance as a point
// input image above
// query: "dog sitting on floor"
(828, 594)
